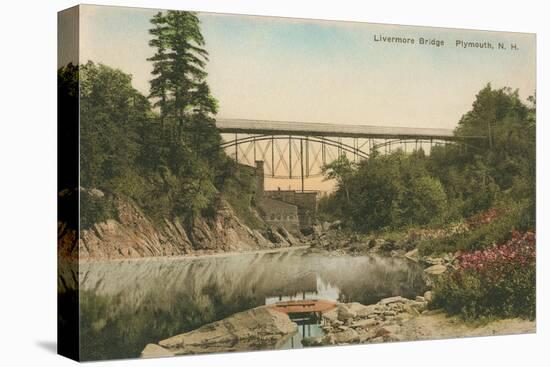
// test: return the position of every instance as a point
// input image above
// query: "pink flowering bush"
(496, 282)
(519, 250)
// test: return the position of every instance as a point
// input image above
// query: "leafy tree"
(112, 112)
(374, 192)
(423, 201)
(340, 170)
(395, 190)
(163, 155)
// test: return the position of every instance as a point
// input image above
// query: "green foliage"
(481, 237)
(396, 190)
(164, 156)
(179, 85)
(340, 170)
(423, 201)
(393, 190)
(95, 209)
(331, 208)
(497, 282)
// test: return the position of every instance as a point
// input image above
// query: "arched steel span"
(312, 139)
(295, 150)
(420, 143)
(300, 157)
(291, 157)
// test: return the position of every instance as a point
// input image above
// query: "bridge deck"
(317, 129)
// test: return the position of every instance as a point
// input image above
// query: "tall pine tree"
(161, 65)
(179, 85)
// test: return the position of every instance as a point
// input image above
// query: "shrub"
(496, 282)
(485, 229)
(95, 207)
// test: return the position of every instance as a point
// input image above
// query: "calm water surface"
(126, 304)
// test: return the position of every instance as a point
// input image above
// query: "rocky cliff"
(134, 235)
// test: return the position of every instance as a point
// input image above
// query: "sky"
(323, 71)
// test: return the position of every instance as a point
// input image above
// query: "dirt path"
(441, 326)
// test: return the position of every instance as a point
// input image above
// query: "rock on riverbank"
(258, 328)
(357, 323)
(401, 319)
(391, 319)
(330, 238)
(134, 235)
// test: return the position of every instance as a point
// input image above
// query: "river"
(125, 305)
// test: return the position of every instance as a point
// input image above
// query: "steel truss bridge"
(298, 150)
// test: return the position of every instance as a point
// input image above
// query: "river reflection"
(126, 304)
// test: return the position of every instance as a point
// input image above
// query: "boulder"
(345, 313)
(428, 296)
(357, 247)
(335, 225)
(412, 255)
(434, 260)
(155, 350)
(365, 336)
(377, 339)
(397, 253)
(436, 269)
(331, 316)
(448, 257)
(371, 244)
(389, 245)
(96, 192)
(287, 236)
(346, 337)
(307, 231)
(317, 230)
(390, 300)
(419, 299)
(382, 332)
(419, 306)
(274, 236)
(257, 328)
(313, 341)
(364, 324)
(411, 310)
(361, 310)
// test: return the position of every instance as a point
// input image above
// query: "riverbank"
(330, 239)
(432, 247)
(134, 235)
(399, 319)
(391, 319)
(199, 256)
(189, 293)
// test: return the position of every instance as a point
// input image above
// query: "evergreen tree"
(178, 65)
(161, 65)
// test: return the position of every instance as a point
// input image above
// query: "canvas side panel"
(68, 182)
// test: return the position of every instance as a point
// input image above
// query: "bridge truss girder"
(302, 157)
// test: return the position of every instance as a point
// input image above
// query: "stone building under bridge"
(294, 210)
